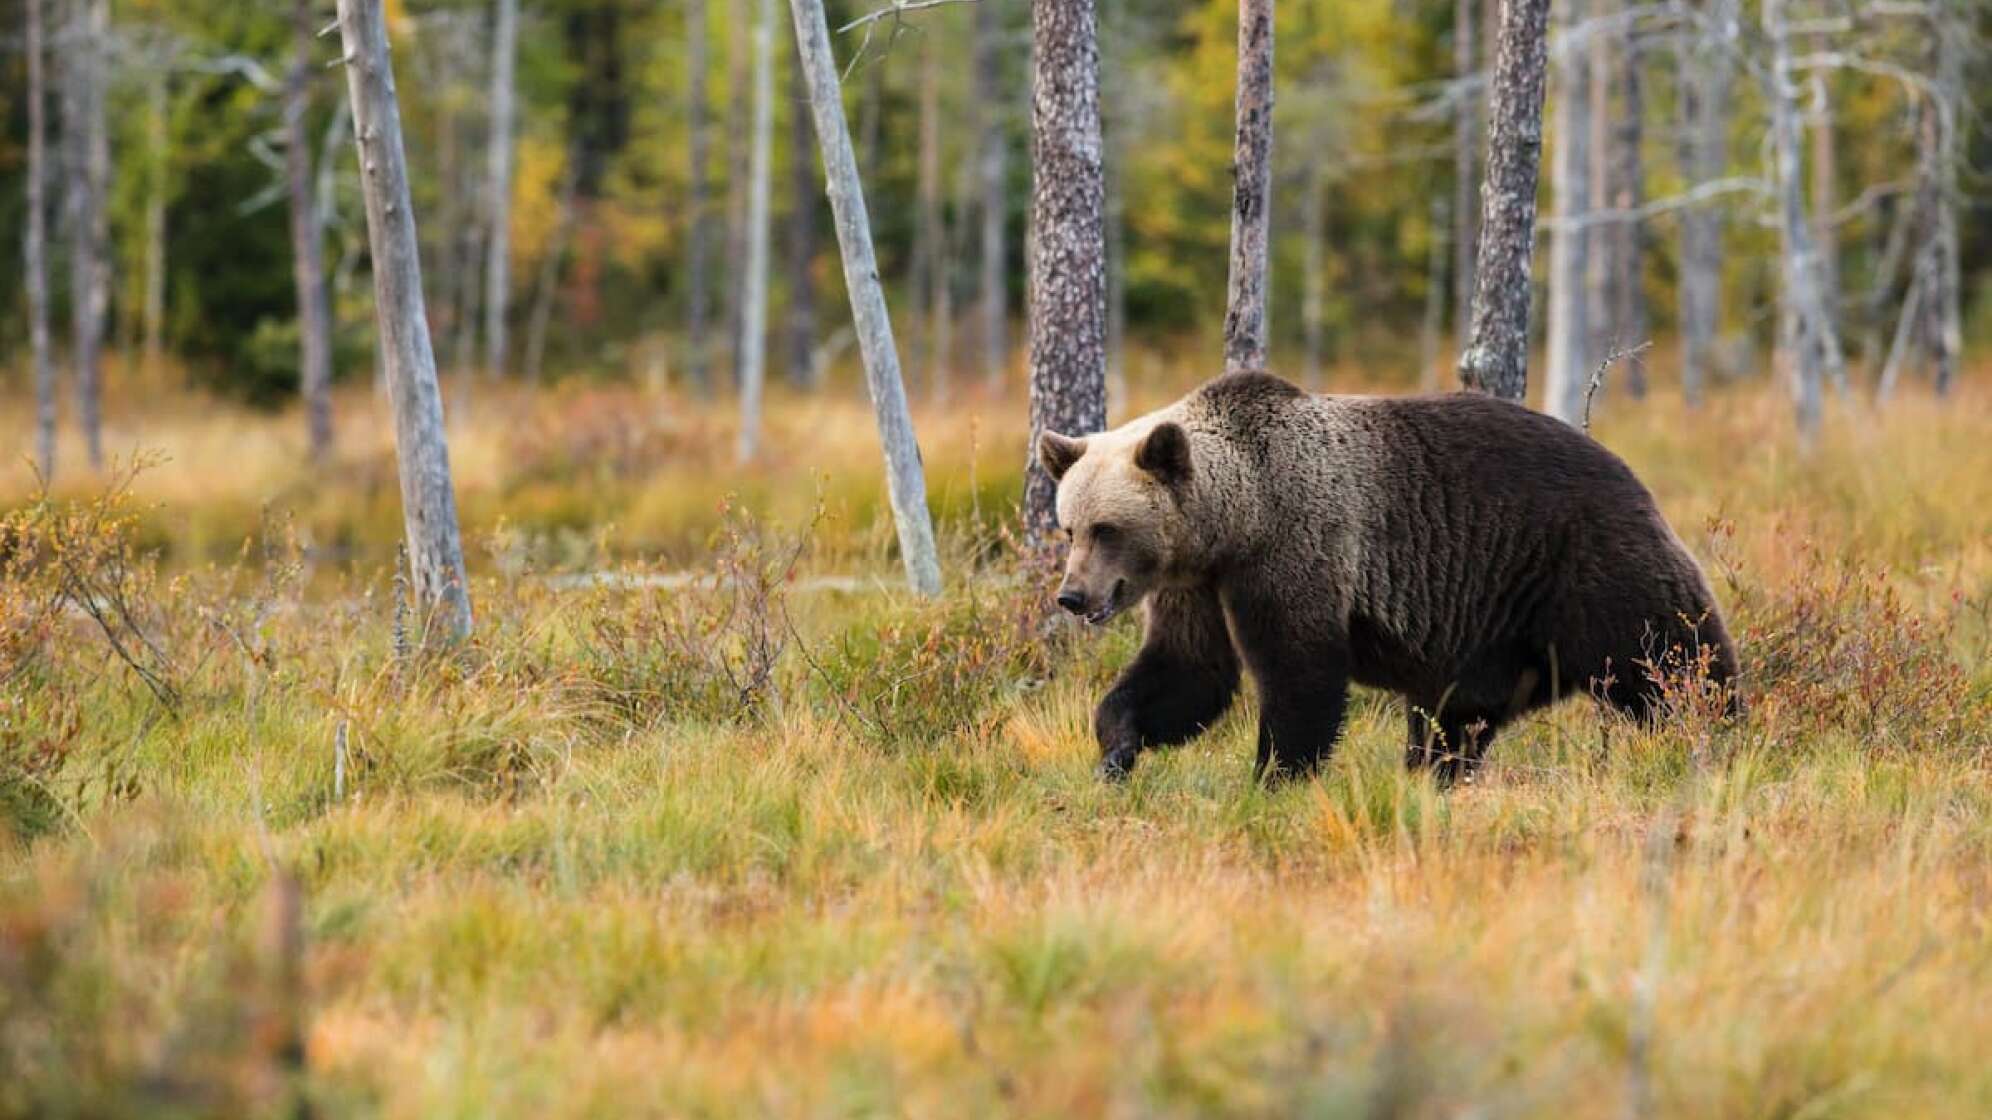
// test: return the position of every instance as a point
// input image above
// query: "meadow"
(712, 818)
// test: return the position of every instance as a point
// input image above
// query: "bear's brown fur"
(1478, 558)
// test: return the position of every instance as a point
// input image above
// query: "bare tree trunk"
(802, 234)
(1628, 192)
(698, 297)
(314, 335)
(34, 245)
(1434, 321)
(993, 285)
(1068, 312)
(738, 111)
(1252, 193)
(88, 142)
(1466, 141)
(1314, 269)
(1809, 337)
(906, 486)
(1825, 200)
(498, 259)
(153, 315)
(1707, 76)
(1496, 356)
(922, 366)
(428, 498)
(1567, 368)
(547, 287)
(1946, 115)
(754, 306)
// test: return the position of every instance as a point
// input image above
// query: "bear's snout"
(1071, 602)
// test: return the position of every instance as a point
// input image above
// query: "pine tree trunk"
(87, 139)
(906, 485)
(498, 259)
(1809, 336)
(993, 285)
(803, 191)
(307, 247)
(1466, 141)
(34, 244)
(698, 296)
(1067, 271)
(1252, 193)
(754, 295)
(1567, 364)
(428, 498)
(1707, 77)
(1496, 356)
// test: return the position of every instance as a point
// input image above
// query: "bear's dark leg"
(1452, 745)
(1179, 684)
(1299, 721)
(1301, 667)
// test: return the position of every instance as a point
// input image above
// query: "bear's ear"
(1165, 453)
(1058, 453)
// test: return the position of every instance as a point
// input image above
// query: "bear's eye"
(1106, 534)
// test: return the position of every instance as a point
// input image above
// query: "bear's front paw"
(1116, 765)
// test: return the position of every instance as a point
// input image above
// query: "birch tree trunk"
(1708, 73)
(87, 140)
(1466, 139)
(1809, 337)
(991, 150)
(1252, 193)
(1067, 270)
(1496, 356)
(498, 259)
(754, 292)
(428, 498)
(34, 244)
(906, 486)
(698, 297)
(1953, 32)
(801, 234)
(739, 109)
(314, 335)
(1567, 367)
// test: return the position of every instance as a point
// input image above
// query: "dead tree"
(1496, 356)
(87, 141)
(34, 245)
(753, 363)
(1808, 336)
(991, 151)
(498, 250)
(803, 190)
(698, 295)
(314, 316)
(1707, 76)
(1567, 364)
(1067, 249)
(906, 485)
(1252, 193)
(428, 497)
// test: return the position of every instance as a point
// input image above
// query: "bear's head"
(1120, 502)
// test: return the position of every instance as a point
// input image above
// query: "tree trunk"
(1496, 356)
(802, 234)
(1946, 116)
(1466, 141)
(1628, 193)
(698, 296)
(1567, 368)
(923, 367)
(1314, 270)
(1252, 193)
(88, 142)
(314, 334)
(993, 285)
(1825, 200)
(153, 316)
(739, 108)
(754, 305)
(1707, 75)
(428, 498)
(34, 245)
(498, 259)
(906, 486)
(1809, 337)
(1067, 272)
(547, 287)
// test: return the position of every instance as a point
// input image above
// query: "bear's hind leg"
(1452, 746)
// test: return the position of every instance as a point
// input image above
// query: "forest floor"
(746, 844)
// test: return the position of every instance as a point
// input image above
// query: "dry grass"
(577, 869)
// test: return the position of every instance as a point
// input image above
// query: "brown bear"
(1474, 556)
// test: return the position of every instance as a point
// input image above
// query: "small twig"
(1598, 375)
(896, 10)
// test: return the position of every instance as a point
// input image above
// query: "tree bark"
(1944, 118)
(1567, 366)
(698, 297)
(739, 110)
(1628, 192)
(1252, 193)
(1496, 356)
(1825, 200)
(991, 151)
(1067, 272)
(754, 293)
(87, 140)
(498, 259)
(1809, 337)
(34, 244)
(314, 335)
(1708, 73)
(428, 498)
(906, 486)
(1466, 141)
(801, 234)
